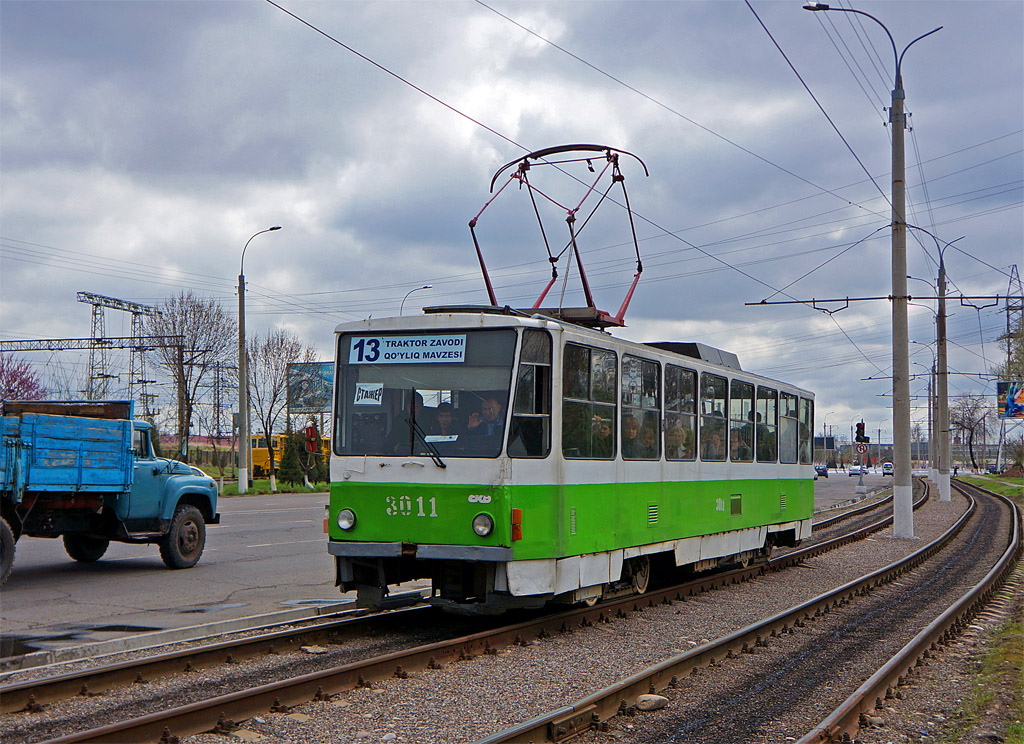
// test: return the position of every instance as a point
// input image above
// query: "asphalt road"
(266, 556)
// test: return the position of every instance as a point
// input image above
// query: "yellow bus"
(261, 457)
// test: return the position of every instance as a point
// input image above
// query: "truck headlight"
(483, 525)
(346, 519)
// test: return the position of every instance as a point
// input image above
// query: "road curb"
(163, 637)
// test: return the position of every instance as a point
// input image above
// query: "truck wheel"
(184, 542)
(85, 549)
(6, 550)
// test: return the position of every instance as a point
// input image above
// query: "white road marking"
(293, 542)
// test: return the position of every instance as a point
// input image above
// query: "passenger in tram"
(445, 425)
(805, 444)
(488, 422)
(740, 449)
(648, 443)
(712, 443)
(630, 437)
(674, 442)
(602, 437)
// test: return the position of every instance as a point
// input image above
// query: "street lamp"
(942, 382)
(401, 311)
(243, 375)
(903, 489)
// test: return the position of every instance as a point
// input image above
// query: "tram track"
(280, 695)
(820, 644)
(333, 628)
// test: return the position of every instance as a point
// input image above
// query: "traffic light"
(860, 433)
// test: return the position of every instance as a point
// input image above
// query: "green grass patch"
(1011, 487)
(1001, 668)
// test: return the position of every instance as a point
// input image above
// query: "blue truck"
(85, 472)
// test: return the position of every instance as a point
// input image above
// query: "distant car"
(857, 470)
(887, 468)
(821, 470)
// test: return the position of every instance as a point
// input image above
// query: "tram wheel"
(640, 573)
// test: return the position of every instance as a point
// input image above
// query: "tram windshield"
(431, 393)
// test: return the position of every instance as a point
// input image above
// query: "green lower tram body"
(562, 543)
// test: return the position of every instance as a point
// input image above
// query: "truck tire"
(6, 550)
(85, 549)
(184, 542)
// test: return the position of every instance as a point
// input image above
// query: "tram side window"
(806, 427)
(588, 402)
(765, 433)
(641, 409)
(680, 413)
(789, 428)
(530, 434)
(714, 393)
(741, 421)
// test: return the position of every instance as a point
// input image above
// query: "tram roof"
(495, 316)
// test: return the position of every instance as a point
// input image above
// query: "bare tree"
(968, 415)
(18, 381)
(1015, 451)
(209, 335)
(269, 357)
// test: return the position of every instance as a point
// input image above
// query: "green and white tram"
(516, 460)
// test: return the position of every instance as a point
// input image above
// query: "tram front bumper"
(341, 549)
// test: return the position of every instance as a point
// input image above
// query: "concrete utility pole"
(243, 376)
(903, 489)
(942, 414)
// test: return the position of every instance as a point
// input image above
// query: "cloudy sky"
(143, 143)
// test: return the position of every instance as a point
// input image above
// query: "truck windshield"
(408, 393)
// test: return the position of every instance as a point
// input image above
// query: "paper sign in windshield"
(408, 349)
(369, 393)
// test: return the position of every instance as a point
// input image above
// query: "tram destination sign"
(421, 349)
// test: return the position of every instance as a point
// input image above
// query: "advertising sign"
(1011, 399)
(309, 387)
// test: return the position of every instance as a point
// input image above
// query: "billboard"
(1011, 399)
(309, 387)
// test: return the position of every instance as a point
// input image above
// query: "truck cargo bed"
(46, 453)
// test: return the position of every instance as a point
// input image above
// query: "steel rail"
(592, 711)
(220, 712)
(829, 521)
(19, 696)
(842, 724)
(825, 546)
(16, 697)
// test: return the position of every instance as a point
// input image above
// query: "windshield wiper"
(415, 428)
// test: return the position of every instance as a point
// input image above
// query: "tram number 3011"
(402, 506)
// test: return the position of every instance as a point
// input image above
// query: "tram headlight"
(483, 525)
(346, 519)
